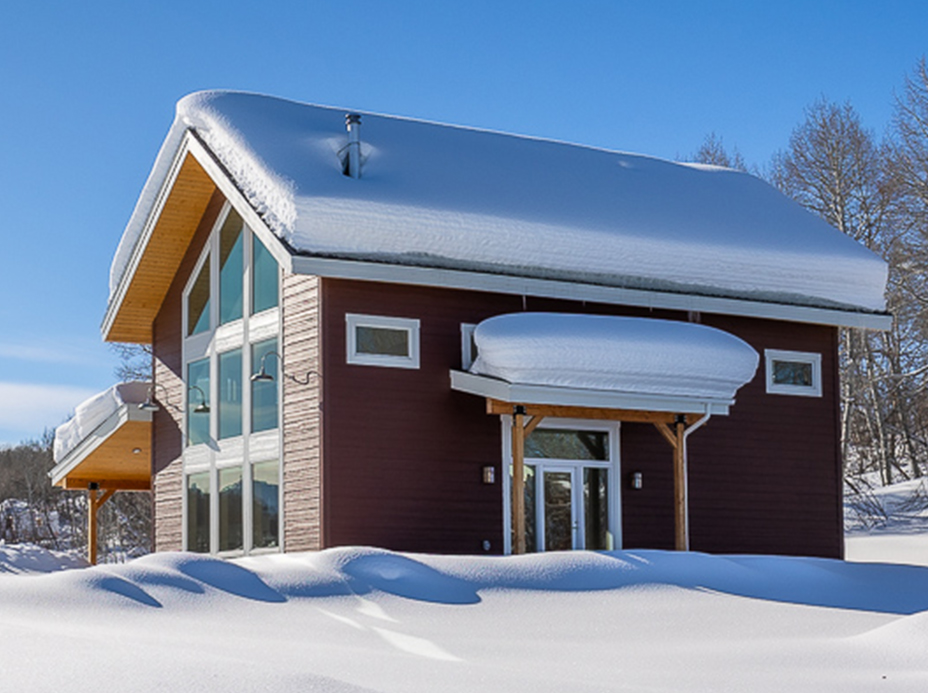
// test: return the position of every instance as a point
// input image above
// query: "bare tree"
(134, 361)
(712, 151)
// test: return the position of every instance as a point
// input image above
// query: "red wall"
(403, 452)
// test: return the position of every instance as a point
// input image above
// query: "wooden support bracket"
(95, 500)
(520, 431)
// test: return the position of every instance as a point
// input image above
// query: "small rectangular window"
(565, 444)
(198, 512)
(382, 341)
(793, 373)
(468, 346)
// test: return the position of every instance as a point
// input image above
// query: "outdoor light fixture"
(136, 451)
(636, 480)
(149, 403)
(489, 475)
(262, 376)
(202, 407)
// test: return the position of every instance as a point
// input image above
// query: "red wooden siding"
(301, 414)
(403, 452)
(167, 440)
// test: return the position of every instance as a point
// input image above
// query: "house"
(382, 331)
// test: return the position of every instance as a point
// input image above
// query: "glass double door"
(567, 507)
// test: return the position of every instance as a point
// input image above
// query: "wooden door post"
(518, 480)
(681, 519)
(94, 501)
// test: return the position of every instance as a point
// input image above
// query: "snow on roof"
(600, 352)
(93, 412)
(443, 196)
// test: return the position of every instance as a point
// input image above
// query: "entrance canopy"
(107, 443)
(675, 375)
(607, 362)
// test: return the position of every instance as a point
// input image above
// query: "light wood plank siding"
(301, 416)
(168, 371)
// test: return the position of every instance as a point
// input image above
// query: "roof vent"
(353, 159)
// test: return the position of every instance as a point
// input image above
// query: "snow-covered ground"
(888, 524)
(358, 619)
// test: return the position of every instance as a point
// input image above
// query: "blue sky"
(87, 93)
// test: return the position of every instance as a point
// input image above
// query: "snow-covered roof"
(639, 356)
(90, 414)
(450, 197)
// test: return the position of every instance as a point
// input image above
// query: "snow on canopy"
(444, 196)
(93, 412)
(602, 352)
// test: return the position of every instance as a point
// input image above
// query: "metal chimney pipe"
(353, 123)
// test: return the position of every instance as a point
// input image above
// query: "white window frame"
(410, 325)
(246, 449)
(467, 345)
(808, 357)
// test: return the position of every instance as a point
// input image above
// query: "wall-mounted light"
(262, 376)
(636, 481)
(489, 475)
(202, 407)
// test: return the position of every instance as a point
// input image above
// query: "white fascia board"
(575, 291)
(96, 438)
(570, 397)
(193, 146)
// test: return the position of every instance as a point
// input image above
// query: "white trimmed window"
(231, 326)
(468, 346)
(793, 373)
(375, 340)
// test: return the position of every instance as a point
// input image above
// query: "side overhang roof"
(107, 456)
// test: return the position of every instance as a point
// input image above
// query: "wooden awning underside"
(159, 253)
(107, 458)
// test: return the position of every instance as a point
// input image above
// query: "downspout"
(686, 481)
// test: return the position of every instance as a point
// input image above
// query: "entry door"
(560, 515)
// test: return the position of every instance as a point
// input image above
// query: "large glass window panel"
(198, 512)
(558, 511)
(596, 508)
(264, 392)
(198, 402)
(563, 444)
(230, 509)
(230, 394)
(384, 341)
(231, 281)
(266, 501)
(198, 302)
(264, 273)
(531, 536)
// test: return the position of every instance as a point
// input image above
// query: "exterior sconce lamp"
(489, 475)
(149, 403)
(262, 376)
(202, 407)
(636, 481)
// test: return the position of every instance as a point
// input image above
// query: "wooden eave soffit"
(161, 256)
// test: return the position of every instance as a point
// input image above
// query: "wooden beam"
(669, 434)
(681, 521)
(498, 407)
(72, 483)
(518, 480)
(532, 424)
